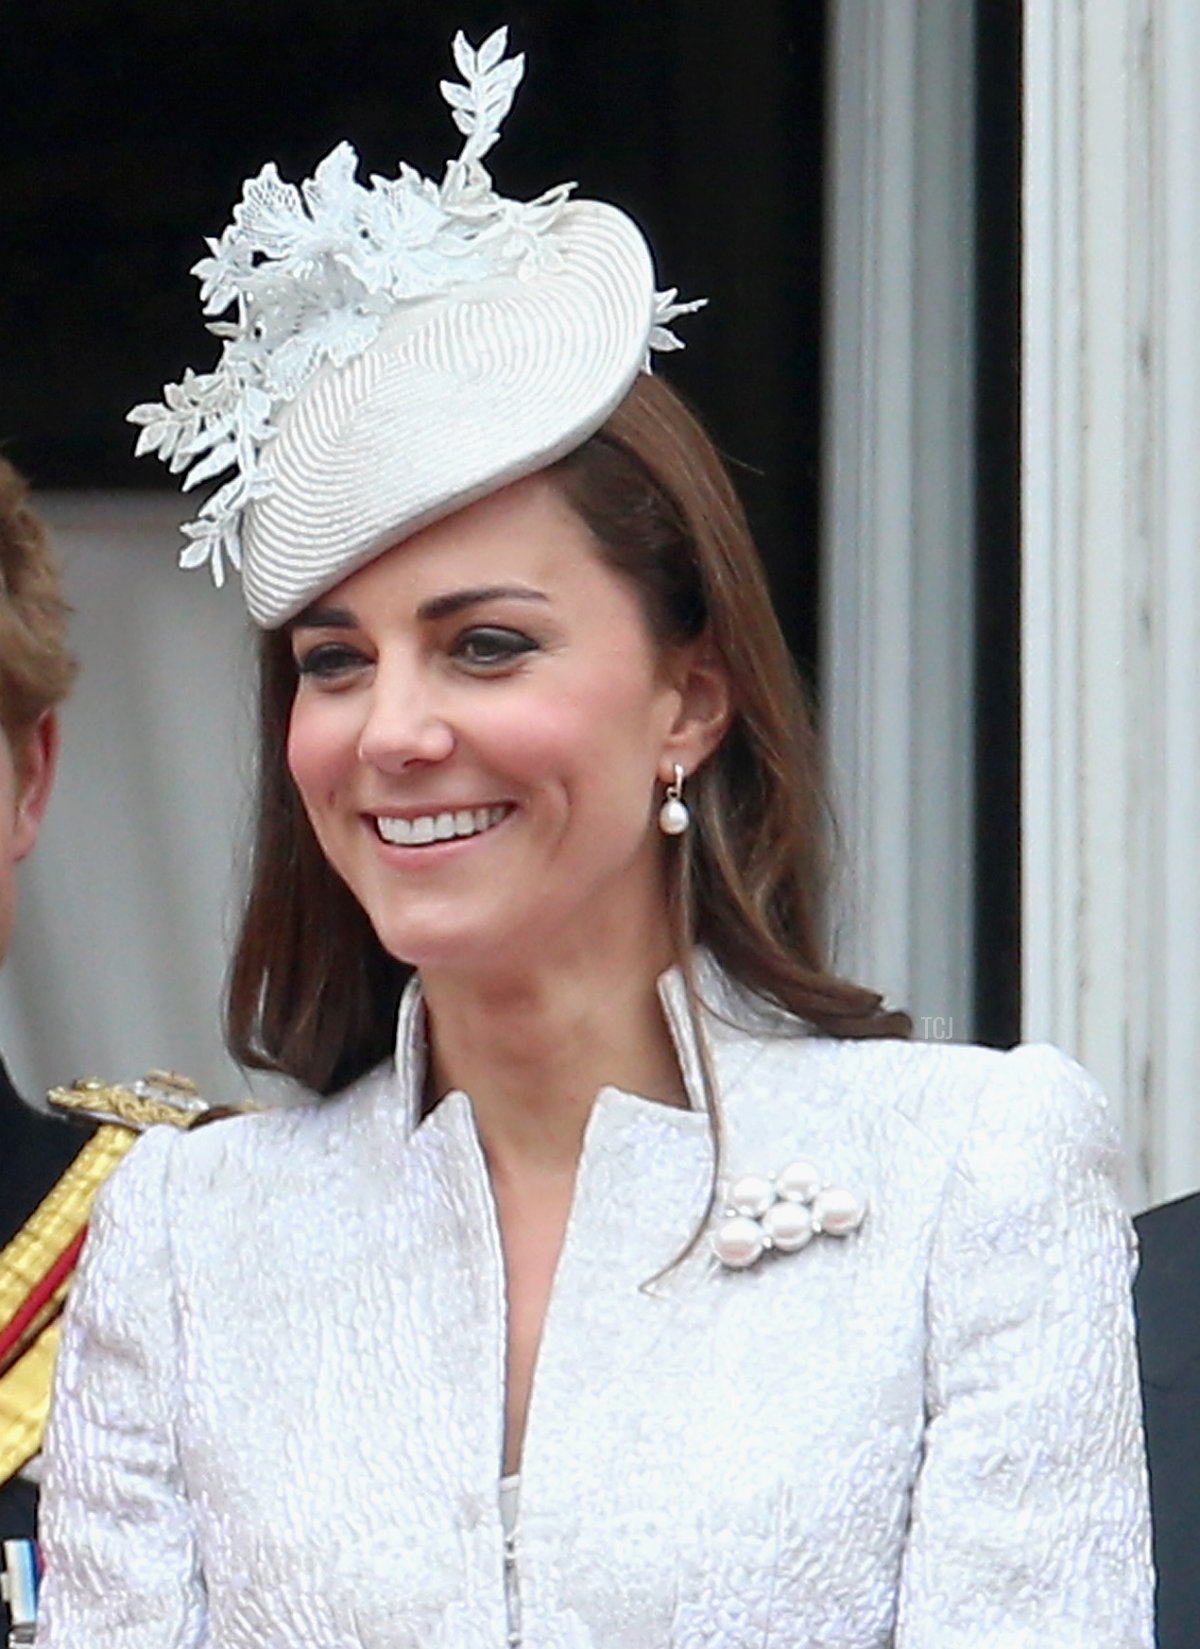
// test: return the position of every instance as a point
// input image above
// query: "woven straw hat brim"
(458, 395)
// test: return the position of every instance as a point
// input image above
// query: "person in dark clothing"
(1167, 1301)
(35, 673)
(35, 1151)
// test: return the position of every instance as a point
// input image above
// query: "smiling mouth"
(439, 827)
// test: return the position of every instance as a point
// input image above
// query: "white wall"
(123, 919)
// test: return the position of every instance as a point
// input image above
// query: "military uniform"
(50, 1170)
(1167, 1299)
(35, 1151)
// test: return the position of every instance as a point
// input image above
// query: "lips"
(427, 828)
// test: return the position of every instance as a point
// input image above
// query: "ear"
(701, 680)
(36, 763)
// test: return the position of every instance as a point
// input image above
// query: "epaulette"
(36, 1267)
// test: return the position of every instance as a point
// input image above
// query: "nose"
(404, 726)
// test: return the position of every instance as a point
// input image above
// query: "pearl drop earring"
(673, 815)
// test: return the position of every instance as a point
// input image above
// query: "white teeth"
(438, 827)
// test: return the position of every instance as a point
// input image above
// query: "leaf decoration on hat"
(312, 271)
(666, 310)
(479, 106)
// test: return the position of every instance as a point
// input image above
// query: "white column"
(897, 549)
(1171, 1145)
(1111, 537)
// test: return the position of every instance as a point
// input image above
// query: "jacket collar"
(721, 1012)
(630, 1143)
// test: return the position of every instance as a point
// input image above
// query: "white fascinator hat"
(397, 350)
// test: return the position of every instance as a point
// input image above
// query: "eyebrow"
(438, 606)
(323, 618)
(454, 601)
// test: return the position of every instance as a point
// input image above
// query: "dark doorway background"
(997, 684)
(128, 126)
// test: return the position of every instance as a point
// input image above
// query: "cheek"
(596, 744)
(566, 740)
(316, 747)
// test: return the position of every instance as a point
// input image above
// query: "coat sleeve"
(121, 1570)
(1030, 1520)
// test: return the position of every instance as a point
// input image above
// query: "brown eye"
(490, 645)
(328, 659)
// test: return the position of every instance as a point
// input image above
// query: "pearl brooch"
(739, 1242)
(783, 1211)
(789, 1225)
(752, 1196)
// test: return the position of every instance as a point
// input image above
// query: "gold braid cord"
(36, 1267)
(159, 1097)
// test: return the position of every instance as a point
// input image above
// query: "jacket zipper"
(512, 1591)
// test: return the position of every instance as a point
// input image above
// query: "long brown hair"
(312, 991)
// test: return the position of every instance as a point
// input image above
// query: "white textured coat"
(280, 1403)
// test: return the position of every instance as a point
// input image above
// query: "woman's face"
(480, 733)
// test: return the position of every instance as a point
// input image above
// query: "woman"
(642, 1285)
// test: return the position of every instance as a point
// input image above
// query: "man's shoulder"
(1167, 1290)
(37, 1150)
(1167, 1299)
(1161, 1230)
